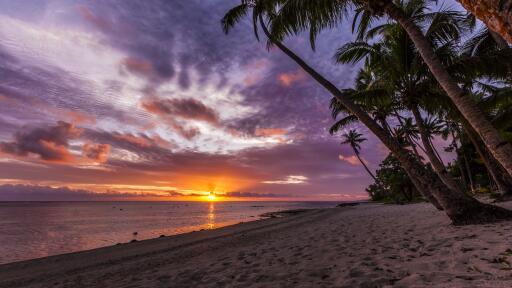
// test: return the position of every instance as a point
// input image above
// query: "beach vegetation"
(392, 185)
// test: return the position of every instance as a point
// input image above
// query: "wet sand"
(370, 245)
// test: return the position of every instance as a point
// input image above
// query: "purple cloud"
(256, 195)
(190, 109)
(49, 143)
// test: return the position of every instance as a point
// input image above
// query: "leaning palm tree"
(419, 176)
(461, 208)
(496, 14)
(354, 139)
(295, 16)
(401, 71)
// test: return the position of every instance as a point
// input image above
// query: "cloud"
(352, 160)
(22, 192)
(255, 195)
(99, 58)
(138, 66)
(142, 141)
(35, 91)
(185, 109)
(190, 109)
(19, 192)
(148, 147)
(292, 179)
(256, 70)
(78, 117)
(270, 132)
(49, 143)
(287, 79)
(171, 42)
(96, 21)
(196, 171)
(97, 152)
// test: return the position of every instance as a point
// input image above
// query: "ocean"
(31, 230)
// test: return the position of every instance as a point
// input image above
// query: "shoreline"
(103, 224)
(14, 273)
(371, 245)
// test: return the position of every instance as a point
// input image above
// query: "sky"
(150, 100)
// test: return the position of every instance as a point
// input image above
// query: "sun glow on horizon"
(211, 197)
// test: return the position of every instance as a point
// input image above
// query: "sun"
(211, 197)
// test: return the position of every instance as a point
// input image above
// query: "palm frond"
(296, 16)
(342, 123)
(233, 16)
(353, 52)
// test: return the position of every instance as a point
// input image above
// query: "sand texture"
(370, 245)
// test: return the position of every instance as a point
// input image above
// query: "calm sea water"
(37, 229)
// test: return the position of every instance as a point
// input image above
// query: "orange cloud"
(96, 152)
(87, 14)
(256, 70)
(162, 142)
(287, 79)
(54, 152)
(78, 117)
(137, 66)
(49, 143)
(267, 132)
(352, 160)
(138, 141)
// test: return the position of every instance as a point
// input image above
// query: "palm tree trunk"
(459, 165)
(418, 145)
(463, 176)
(385, 125)
(434, 160)
(501, 178)
(364, 165)
(435, 151)
(413, 146)
(408, 137)
(501, 149)
(468, 170)
(496, 14)
(461, 171)
(461, 208)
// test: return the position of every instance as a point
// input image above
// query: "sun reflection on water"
(211, 215)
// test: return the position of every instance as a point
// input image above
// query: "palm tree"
(414, 168)
(461, 208)
(501, 178)
(452, 129)
(483, 57)
(498, 108)
(402, 72)
(496, 14)
(295, 16)
(353, 138)
(433, 156)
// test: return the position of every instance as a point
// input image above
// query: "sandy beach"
(370, 245)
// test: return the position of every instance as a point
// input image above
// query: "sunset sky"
(151, 98)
